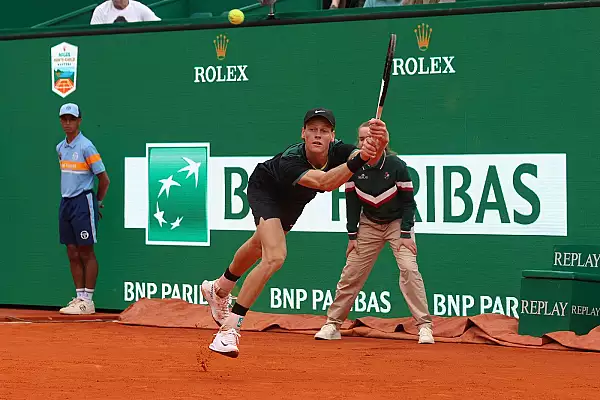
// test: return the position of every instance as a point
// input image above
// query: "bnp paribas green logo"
(178, 194)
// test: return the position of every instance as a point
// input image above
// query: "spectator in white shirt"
(122, 11)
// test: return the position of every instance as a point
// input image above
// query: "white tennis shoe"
(328, 332)
(226, 343)
(219, 306)
(426, 335)
(79, 306)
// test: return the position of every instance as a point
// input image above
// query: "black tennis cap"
(320, 112)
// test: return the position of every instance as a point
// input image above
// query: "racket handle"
(379, 102)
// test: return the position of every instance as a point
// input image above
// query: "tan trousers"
(371, 239)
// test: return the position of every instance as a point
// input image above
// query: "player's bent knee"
(274, 263)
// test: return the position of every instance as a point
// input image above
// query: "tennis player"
(379, 200)
(278, 191)
(79, 207)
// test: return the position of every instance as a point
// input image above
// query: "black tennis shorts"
(266, 203)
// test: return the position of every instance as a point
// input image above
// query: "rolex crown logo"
(221, 43)
(423, 33)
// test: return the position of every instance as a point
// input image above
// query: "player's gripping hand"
(378, 131)
(369, 149)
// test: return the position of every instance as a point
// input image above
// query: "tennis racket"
(387, 70)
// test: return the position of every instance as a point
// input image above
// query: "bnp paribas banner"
(179, 194)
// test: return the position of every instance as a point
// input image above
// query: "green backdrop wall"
(495, 113)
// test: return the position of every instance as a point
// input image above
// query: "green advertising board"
(563, 297)
(494, 113)
(558, 301)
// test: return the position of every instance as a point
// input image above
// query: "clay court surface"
(107, 360)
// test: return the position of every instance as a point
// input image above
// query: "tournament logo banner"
(64, 69)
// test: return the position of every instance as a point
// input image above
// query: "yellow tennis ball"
(236, 16)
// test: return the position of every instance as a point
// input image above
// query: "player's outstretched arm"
(334, 178)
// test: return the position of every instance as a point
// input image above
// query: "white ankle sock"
(89, 293)
(80, 293)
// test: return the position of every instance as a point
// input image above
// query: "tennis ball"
(236, 16)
